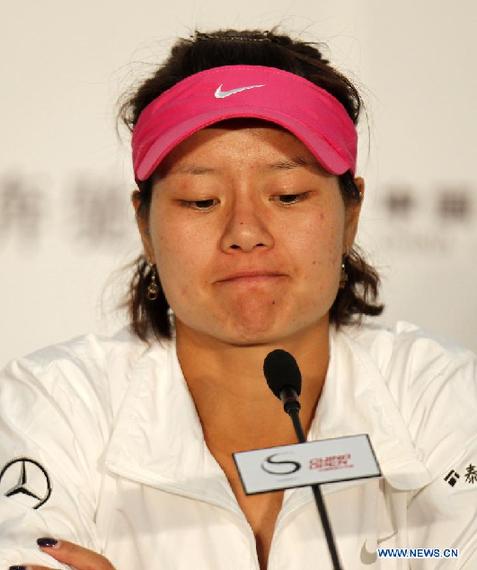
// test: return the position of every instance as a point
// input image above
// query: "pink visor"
(312, 114)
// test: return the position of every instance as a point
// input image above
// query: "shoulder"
(90, 368)
(407, 356)
(433, 383)
(84, 351)
(58, 405)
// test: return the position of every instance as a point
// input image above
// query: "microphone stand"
(292, 407)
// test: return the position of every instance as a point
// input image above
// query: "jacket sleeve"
(442, 417)
(52, 432)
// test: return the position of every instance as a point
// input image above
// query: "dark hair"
(202, 51)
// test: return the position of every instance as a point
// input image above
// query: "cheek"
(179, 256)
(322, 238)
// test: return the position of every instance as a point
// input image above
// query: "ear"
(353, 210)
(142, 222)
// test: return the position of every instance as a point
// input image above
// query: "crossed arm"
(68, 553)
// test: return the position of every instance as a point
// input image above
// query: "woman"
(244, 151)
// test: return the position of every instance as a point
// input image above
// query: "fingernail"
(48, 542)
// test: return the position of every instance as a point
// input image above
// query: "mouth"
(252, 277)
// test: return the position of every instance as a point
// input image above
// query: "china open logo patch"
(25, 481)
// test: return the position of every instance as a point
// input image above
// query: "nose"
(246, 227)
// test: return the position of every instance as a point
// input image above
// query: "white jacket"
(106, 431)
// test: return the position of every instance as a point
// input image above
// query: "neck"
(236, 408)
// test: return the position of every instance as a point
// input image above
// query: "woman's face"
(247, 233)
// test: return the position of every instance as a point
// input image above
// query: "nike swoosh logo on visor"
(219, 94)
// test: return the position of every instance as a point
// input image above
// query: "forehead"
(250, 141)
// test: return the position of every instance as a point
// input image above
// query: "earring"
(344, 275)
(152, 291)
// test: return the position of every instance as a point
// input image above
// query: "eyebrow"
(194, 169)
(294, 162)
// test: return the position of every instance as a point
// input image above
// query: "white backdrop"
(65, 180)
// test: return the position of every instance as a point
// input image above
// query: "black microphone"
(284, 380)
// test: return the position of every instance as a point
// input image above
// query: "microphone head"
(280, 370)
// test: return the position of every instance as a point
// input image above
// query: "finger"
(29, 567)
(74, 555)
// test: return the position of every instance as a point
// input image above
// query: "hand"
(71, 554)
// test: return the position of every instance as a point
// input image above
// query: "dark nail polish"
(17, 568)
(46, 541)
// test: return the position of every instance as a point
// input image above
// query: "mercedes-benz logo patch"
(27, 481)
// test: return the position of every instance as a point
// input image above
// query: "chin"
(257, 336)
(252, 330)
(252, 340)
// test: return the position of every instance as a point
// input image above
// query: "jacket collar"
(355, 400)
(158, 438)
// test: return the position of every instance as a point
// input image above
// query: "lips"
(255, 276)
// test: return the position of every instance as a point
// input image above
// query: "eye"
(200, 204)
(289, 199)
